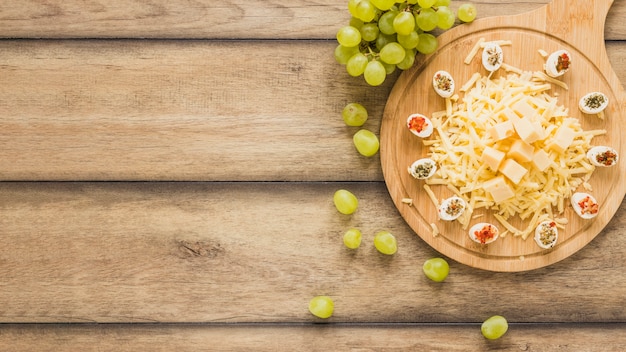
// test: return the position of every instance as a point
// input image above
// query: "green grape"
(385, 243)
(409, 60)
(445, 17)
(411, 2)
(404, 23)
(365, 11)
(354, 114)
(427, 20)
(385, 22)
(355, 22)
(384, 39)
(408, 41)
(343, 54)
(436, 269)
(442, 3)
(369, 32)
(352, 4)
(349, 36)
(428, 43)
(345, 201)
(389, 68)
(374, 74)
(352, 238)
(356, 64)
(467, 12)
(426, 3)
(392, 53)
(321, 306)
(383, 4)
(494, 327)
(366, 142)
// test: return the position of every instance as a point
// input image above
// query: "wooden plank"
(257, 252)
(171, 110)
(535, 337)
(300, 19)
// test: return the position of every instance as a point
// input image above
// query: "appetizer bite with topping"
(585, 205)
(420, 125)
(451, 208)
(443, 83)
(593, 103)
(492, 57)
(423, 168)
(546, 234)
(602, 156)
(558, 63)
(484, 233)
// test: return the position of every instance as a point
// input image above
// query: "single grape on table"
(322, 306)
(366, 142)
(494, 327)
(345, 201)
(436, 269)
(352, 238)
(386, 243)
(354, 114)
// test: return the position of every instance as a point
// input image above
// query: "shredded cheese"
(462, 134)
(474, 51)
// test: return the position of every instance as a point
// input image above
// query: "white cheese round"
(602, 156)
(546, 234)
(492, 57)
(443, 83)
(451, 208)
(423, 168)
(585, 205)
(593, 103)
(474, 233)
(558, 63)
(419, 125)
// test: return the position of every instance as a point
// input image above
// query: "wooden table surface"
(167, 170)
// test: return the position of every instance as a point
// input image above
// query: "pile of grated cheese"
(477, 128)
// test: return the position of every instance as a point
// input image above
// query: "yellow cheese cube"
(512, 170)
(499, 189)
(521, 151)
(563, 138)
(541, 160)
(523, 109)
(502, 130)
(510, 115)
(526, 130)
(492, 157)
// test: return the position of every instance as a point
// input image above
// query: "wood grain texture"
(322, 337)
(200, 19)
(206, 252)
(170, 110)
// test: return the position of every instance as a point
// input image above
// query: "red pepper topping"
(485, 234)
(588, 206)
(607, 158)
(417, 124)
(563, 62)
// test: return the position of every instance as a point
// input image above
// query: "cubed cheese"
(510, 115)
(563, 138)
(526, 130)
(521, 151)
(498, 189)
(492, 157)
(502, 130)
(512, 170)
(541, 160)
(523, 109)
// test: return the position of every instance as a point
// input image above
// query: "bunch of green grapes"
(387, 34)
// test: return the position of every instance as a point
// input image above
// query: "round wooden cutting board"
(574, 25)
